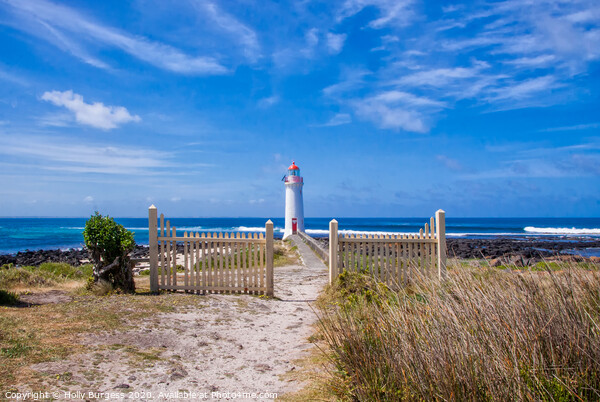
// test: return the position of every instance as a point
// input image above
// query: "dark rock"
(516, 261)
(74, 257)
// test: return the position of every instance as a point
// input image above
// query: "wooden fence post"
(153, 245)
(440, 217)
(269, 238)
(333, 251)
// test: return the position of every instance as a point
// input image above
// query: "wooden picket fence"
(391, 259)
(209, 262)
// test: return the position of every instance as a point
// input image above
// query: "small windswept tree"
(109, 244)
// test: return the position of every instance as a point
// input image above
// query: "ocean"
(20, 234)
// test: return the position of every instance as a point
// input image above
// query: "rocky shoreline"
(499, 251)
(74, 257)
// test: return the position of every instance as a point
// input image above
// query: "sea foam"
(562, 231)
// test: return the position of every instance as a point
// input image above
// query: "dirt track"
(226, 344)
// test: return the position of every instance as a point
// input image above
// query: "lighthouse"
(294, 206)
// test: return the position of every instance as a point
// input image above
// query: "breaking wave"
(249, 229)
(347, 231)
(562, 231)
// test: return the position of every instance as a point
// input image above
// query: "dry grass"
(285, 254)
(484, 334)
(30, 335)
(45, 275)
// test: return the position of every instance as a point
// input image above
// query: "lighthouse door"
(294, 225)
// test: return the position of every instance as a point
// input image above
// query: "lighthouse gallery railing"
(391, 259)
(209, 262)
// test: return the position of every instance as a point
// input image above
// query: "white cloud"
(391, 12)
(89, 199)
(66, 155)
(352, 79)
(12, 78)
(533, 62)
(293, 55)
(56, 120)
(406, 99)
(335, 42)
(537, 33)
(452, 8)
(450, 163)
(94, 114)
(265, 103)
(397, 110)
(571, 128)
(387, 116)
(338, 119)
(241, 33)
(518, 54)
(440, 76)
(570, 166)
(524, 89)
(312, 38)
(55, 23)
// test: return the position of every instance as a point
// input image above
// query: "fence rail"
(315, 246)
(209, 262)
(391, 259)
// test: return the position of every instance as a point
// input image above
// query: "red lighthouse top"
(293, 175)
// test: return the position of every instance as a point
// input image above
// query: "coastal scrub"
(109, 245)
(483, 334)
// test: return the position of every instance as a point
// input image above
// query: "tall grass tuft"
(8, 298)
(483, 334)
(44, 275)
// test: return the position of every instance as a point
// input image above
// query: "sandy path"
(230, 344)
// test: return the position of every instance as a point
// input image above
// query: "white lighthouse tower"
(294, 206)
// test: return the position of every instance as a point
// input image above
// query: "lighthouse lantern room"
(294, 206)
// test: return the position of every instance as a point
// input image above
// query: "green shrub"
(105, 239)
(8, 298)
(109, 245)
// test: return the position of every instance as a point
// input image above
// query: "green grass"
(484, 334)
(8, 298)
(44, 275)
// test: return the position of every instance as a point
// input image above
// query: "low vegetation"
(109, 245)
(284, 253)
(484, 334)
(8, 298)
(47, 274)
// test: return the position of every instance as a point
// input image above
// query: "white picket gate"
(391, 259)
(209, 262)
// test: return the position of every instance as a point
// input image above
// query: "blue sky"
(390, 108)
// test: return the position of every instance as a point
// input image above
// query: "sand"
(230, 344)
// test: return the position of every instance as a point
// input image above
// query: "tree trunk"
(118, 273)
